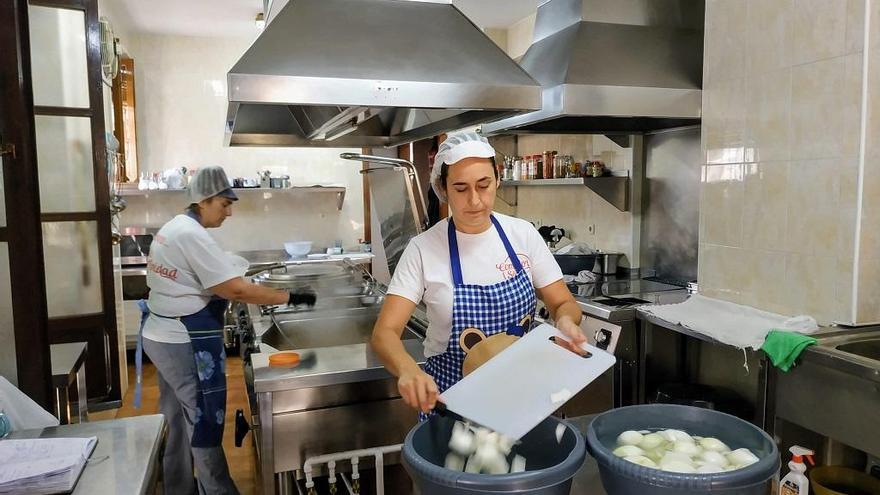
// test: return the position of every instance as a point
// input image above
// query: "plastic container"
(298, 248)
(621, 477)
(550, 464)
(837, 480)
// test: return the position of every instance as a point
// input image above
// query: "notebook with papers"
(42, 466)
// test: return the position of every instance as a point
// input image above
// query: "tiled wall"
(781, 103)
(575, 207)
(181, 108)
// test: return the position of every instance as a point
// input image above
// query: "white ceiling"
(235, 18)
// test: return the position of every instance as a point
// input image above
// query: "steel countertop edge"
(320, 366)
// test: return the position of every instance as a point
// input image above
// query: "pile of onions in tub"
(480, 450)
(678, 452)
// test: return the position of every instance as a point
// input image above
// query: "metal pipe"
(377, 452)
(394, 162)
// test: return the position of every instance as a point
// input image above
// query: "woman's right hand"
(418, 390)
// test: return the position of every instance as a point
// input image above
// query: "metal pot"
(606, 263)
(282, 182)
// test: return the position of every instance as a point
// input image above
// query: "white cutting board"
(511, 393)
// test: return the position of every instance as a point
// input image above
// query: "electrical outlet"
(591, 229)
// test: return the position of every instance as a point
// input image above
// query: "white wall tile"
(767, 121)
(770, 35)
(819, 30)
(181, 109)
(816, 104)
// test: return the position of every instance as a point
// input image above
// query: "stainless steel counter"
(126, 459)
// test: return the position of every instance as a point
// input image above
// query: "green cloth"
(784, 347)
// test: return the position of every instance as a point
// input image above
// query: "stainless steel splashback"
(671, 204)
(393, 216)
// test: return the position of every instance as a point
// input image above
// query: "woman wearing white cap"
(477, 270)
(190, 279)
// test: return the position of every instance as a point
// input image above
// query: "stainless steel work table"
(126, 458)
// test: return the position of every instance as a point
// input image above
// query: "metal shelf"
(339, 191)
(613, 189)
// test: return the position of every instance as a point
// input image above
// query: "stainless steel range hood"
(365, 73)
(613, 66)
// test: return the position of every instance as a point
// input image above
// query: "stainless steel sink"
(310, 330)
(867, 348)
(835, 390)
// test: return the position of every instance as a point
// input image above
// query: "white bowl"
(298, 248)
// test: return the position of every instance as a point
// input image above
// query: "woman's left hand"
(573, 333)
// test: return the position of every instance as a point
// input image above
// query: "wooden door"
(65, 52)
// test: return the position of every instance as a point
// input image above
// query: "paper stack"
(43, 465)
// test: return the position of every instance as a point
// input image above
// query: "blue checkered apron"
(492, 309)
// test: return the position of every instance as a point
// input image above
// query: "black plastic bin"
(621, 477)
(550, 464)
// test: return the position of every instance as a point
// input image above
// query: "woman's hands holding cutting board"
(418, 389)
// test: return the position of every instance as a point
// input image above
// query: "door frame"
(24, 234)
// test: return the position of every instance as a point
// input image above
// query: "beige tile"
(812, 225)
(873, 122)
(721, 205)
(843, 290)
(808, 279)
(725, 40)
(816, 102)
(855, 20)
(724, 122)
(846, 232)
(819, 29)
(765, 205)
(851, 112)
(869, 291)
(870, 221)
(848, 177)
(721, 272)
(764, 278)
(767, 121)
(770, 35)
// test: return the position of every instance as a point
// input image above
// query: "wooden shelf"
(127, 190)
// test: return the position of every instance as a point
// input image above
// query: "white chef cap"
(455, 148)
(209, 182)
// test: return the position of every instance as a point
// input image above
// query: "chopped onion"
(628, 451)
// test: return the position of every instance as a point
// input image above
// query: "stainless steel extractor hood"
(366, 73)
(613, 66)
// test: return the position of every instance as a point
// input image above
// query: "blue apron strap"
(510, 252)
(454, 260)
(139, 355)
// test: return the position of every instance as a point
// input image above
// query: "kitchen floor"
(242, 460)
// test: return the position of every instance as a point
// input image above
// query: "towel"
(729, 323)
(783, 347)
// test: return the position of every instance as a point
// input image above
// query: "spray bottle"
(795, 482)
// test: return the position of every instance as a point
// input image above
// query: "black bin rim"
(759, 472)
(528, 480)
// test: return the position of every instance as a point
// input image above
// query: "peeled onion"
(630, 438)
(628, 451)
(651, 441)
(712, 457)
(676, 436)
(710, 468)
(742, 457)
(687, 448)
(641, 461)
(713, 444)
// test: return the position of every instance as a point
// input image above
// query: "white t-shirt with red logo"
(424, 274)
(184, 262)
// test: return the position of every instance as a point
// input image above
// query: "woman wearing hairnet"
(190, 279)
(476, 270)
